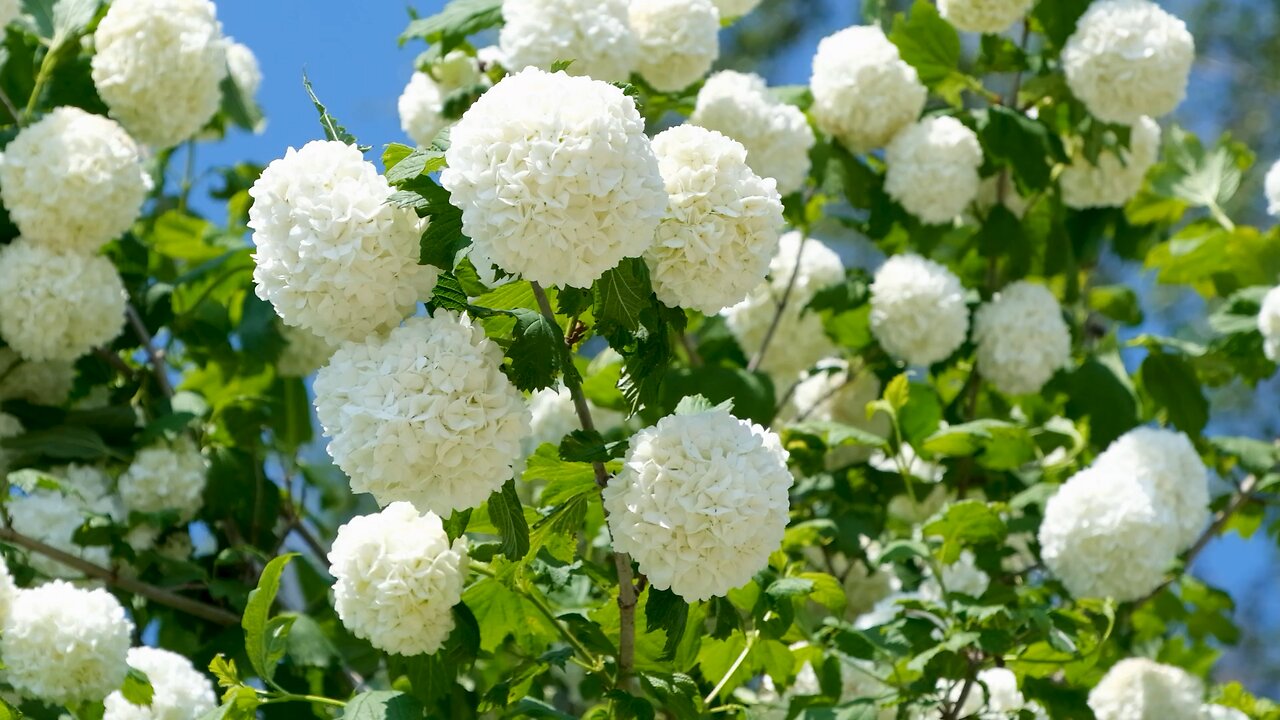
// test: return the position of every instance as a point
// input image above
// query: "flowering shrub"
(640, 388)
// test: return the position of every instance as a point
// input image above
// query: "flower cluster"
(594, 34)
(421, 104)
(1169, 469)
(1115, 177)
(53, 516)
(596, 196)
(423, 414)
(1022, 339)
(983, 16)
(677, 41)
(332, 255)
(701, 502)
(831, 392)
(243, 67)
(166, 476)
(933, 168)
(42, 383)
(304, 352)
(398, 579)
(180, 691)
(1139, 689)
(918, 310)
(722, 221)
(863, 92)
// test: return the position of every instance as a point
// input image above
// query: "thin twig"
(114, 361)
(153, 357)
(782, 307)
(137, 587)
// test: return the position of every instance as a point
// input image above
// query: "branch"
(626, 585)
(137, 587)
(153, 357)
(782, 306)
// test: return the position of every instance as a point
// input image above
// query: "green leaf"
(586, 447)
(750, 394)
(240, 107)
(536, 352)
(564, 479)
(448, 294)
(564, 522)
(1217, 261)
(827, 591)
(1256, 456)
(1000, 445)
(137, 688)
(1171, 382)
(64, 442)
(265, 640)
(622, 293)
(1118, 302)
(964, 524)
(1100, 389)
(333, 130)
(835, 434)
(452, 25)
(383, 705)
(507, 514)
(1201, 178)
(669, 612)
(1012, 139)
(1058, 19)
(927, 42)
(308, 644)
(422, 161)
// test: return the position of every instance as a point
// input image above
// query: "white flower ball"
(701, 502)
(424, 414)
(398, 579)
(555, 178)
(777, 136)
(1142, 689)
(1222, 712)
(918, 311)
(181, 691)
(1022, 338)
(58, 305)
(159, 66)
(722, 223)
(53, 516)
(1105, 537)
(421, 104)
(332, 256)
(932, 169)
(730, 9)
(10, 427)
(962, 576)
(1169, 469)
(304, 352)
(65, 645)
(73, 181)
(1272, 188)
(863, 92)
(983, 16)
(42, 383)
(1269, 324)
(1127, 59)
(678, 40)
(552, 416)
(595, 34)
(1111, 182)
(799, 340)
(9, 11)
(243, 66)
(166, 476)
(830, 393)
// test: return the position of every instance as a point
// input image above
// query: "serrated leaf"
(963, 524)
(586, 447)
(1171, 382)
(422, 161)
(622, 293)
(927, 42)
(536, 352)
(265, 642)
(669, 612)
(448, 294)
(383, 705)
(565, 521)
(507, 514)
(333, 130)
(459, 19)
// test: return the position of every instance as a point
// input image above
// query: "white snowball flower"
(65, 645)
(9, 11)
(73, 181)
(677, 40)
(53, 516)
(1222, 712)
(1022, 338)
(159, 66)
(332, 256)
(1127, 59)
(8, 590)
(181, 691)
(701, 502)
(42, 383)
(1272, 188)
(424, 414)
(829, 393)
(552, 416)
(932, 169)
(1112, 181)
(58, 305)
(398, 579)
(777, 136)
(10, 427)
(1142, 689)
(421, 104)
(918, 311)
(722, 222)
(243, 66)
(595, 34)
(962, 576)
(863, 92)
(730, 9)
(1169, 469)
(1269, 324)
(166, 476)
(555, 178)
(983, 16)
(304, 352)
(799, 340)
(1105, 537)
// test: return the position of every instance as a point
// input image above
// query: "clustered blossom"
(1128, 59)
(1142, 689)
(555, 178)
(730, 9)
(830, 392)
(776, 135)
(677, 40)
(1022, 339)
(918, 310)
(722, 221)
(595, 34)
(398, 579)
(1112, 180)
(180, 691)
(73, 181)
(983, 16)
(304, 352)
(64, 645)
(423, 414)
(332, 255)
(53, 516)
(166, 476)
(421, 104)
(993, 696)
(932, 168)
(42, 383)
(799, 339)
(1168, 468)
(58, 305)
(863, 92)
(701, 502)
(1222, 712)
(1271, 185)
(1269, 324)
(243, 66)
(159, 66)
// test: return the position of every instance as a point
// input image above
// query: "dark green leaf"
(507, 514)
(927, 42)
(264, 642)
(333, 130)
(452, 25)
(536, 352)
(622, 293)
(383, 705)
(964, 524)
(448, 294)
(1172, 384)
(669, 612)
(751, 394)
(1100, 390)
